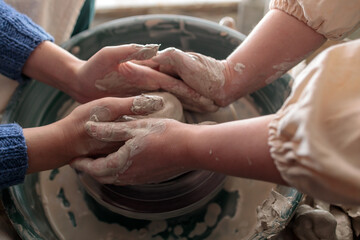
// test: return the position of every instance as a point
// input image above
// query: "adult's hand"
(158, 149)
(146, 156)
(208, 76)
(275, 45)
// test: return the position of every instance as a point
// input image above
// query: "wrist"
(236, 75)
(183, 150)
(73, 137)
(54, 66)
(45, 148)
(69, 80)
(194, 146)
(233, 87)
(206, 150)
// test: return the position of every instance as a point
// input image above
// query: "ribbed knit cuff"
(13, 155)
(19, 37)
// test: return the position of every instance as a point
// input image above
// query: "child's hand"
(59, 143)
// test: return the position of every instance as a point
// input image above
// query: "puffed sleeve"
(332, 18)
(314, 138)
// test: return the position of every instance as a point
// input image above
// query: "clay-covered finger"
(109, 131)
(169, 70)
(81, 164)
(190, 99)
(199, 105)
(156, 80)
(93, 167)
(106, 180)
(111, 165)
(177, 62)
(110, 109)
(185, 93)
(148, 63)
(146, 104)
(130, 52)
(170, 56)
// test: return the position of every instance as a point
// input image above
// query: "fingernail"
(146, 104)
(100, 114)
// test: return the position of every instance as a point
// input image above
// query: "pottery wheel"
(169, 199)
(172, 198)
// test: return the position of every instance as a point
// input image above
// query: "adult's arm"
(288, 33)
(238, 148)
(157, 149)
(277, 43)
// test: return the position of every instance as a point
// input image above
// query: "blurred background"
(246, 13)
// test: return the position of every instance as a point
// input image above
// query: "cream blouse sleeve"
(315, 137)
(334, 19)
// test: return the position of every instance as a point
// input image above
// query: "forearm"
(275, 45)
(52, 65)
(238, 148)
(45, 148)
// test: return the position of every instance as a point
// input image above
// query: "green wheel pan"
(36, 104)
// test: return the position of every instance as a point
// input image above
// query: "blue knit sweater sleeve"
(13, 155)
(19, 36)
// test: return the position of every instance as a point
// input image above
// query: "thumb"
(170, 56)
